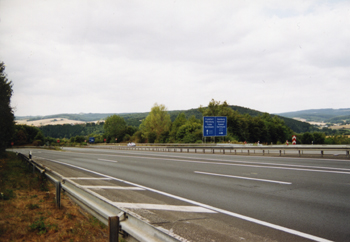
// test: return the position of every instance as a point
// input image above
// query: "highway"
(215, 197)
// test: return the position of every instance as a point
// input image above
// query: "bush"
(37, 143)
(79, 139)
(126, 137)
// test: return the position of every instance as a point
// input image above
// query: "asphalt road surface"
(208, 197)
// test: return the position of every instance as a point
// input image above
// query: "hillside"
(333, 116)
(135, 119)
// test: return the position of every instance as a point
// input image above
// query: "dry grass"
(28, 211)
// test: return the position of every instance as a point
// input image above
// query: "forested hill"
(135, 119)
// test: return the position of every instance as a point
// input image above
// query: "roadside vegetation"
(28, 211)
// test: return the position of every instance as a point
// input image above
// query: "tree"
(6, 113)
(156, 124)
(190, 132)
(178, 122)
(40, 137)
(115, 127)
(307, 138)
(319, 138)
(216, 108)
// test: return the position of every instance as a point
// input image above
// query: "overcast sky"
(124, 56)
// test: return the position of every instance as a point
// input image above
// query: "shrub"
(37, 143)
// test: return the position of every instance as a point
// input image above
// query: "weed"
(42, 181)
(96, 223)
(32, 206)
(70, 216)
(39, 225)
(7, 194)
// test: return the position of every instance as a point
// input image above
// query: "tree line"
(157, 127)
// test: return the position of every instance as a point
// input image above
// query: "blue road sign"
(214, 126)
(92, 140)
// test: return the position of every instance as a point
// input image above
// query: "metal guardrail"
(229, 149)
(118, 220)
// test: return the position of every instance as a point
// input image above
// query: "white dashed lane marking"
(241, 177)
(108, 160)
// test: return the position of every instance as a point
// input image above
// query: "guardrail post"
(347, 154)
(322, 153)
(248, 152)
(263, 152)
(58, 194)
(299, 152)
(235, 152)
(113, 229)
(223, 151)
(280, 152)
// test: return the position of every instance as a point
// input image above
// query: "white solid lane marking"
(87, 178)
(219, 210)
(114, 187)
(242, 177)
(107, 160)
(165, 207)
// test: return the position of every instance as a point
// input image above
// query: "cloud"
(123, 56)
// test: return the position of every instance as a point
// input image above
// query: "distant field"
(51, 121)
(312, 123)
(340, 126)
(322, 124)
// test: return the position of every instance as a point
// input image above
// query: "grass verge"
(28, 211)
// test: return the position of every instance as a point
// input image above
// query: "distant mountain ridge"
(321, 115)
(135, 119)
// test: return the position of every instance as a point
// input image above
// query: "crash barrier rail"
(322, 150)
(117, 220)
